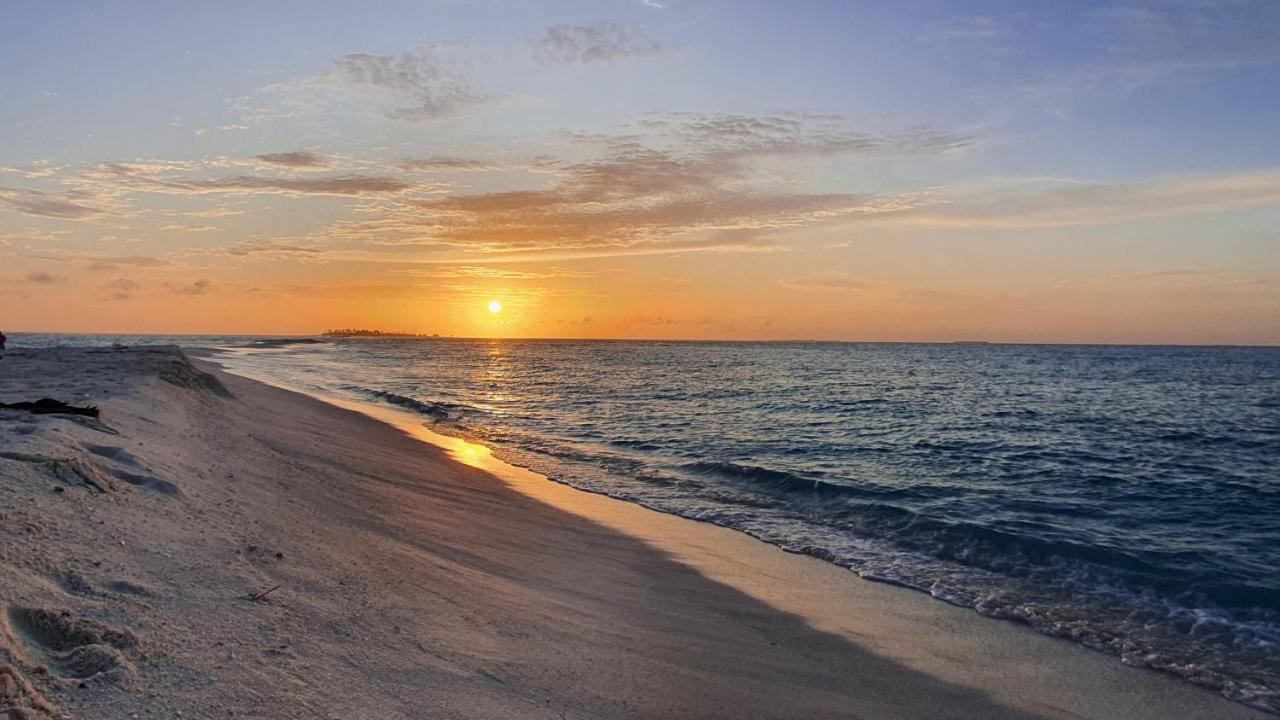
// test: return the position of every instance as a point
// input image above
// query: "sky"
(1071, 172)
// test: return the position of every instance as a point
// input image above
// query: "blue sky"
(845, 170)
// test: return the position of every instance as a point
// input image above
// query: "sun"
(495, 307)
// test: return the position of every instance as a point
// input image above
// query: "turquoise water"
(1127, 498)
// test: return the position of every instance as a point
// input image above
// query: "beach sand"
(419, 578)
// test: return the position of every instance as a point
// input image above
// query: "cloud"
(672, 183)
(603, 40)
(271, 247)
(41, 204)
(149, 180)
(1173, 273)
(833, 281)
(214, 213)
(1064, 203)
(429, 83)
(104, 262)
(121, 261)
(691, 183)
(1192, 278)
(1124, 46)
(337, 185)
(40, 277)
(449, 164)
(32, 171)
(295, 159)
(493, 273)
(797, 134)
(453, 164)
(122, 288)
(1188, 35)
(199, 287)
(431, 87)
(971, 29)
(667, 321)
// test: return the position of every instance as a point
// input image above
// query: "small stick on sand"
(261, 595)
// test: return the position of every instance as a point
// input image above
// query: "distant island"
(355, 332)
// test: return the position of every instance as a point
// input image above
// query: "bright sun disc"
(495, 306)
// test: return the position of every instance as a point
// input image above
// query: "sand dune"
(404, 584)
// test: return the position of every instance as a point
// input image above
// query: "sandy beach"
(398, 574)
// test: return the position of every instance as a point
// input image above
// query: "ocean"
(1125, 498)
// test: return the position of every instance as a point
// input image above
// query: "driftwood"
(45, 406)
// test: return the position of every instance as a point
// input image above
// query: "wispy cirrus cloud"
(249, 184)
(429, 83)
(1123, 45)
(104, 262)
(294, 159)
(1187, 35)
(41, 277)
(124, 261)
(196, 287)
(671, 183)
(978, 28)
(144, 178)
(216, 212)
(31, 171)
(688, 178)
(455, 164)
(426, 86)
(600, 41)
(276, 247)
(122, 288)
(1198, 278)
(62, 206)
(495, 273)
(842, 282)
(1072, 203)
(796, 134)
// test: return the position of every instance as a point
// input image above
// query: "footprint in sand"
(70, 470)
(123, 457)
(124, 587)
(152, 484)
(116, 454)
(73, 649)
(73, 583)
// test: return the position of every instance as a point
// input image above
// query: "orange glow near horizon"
(471, 182)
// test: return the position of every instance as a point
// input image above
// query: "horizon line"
(806, 341)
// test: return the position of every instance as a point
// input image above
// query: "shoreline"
(406, 412)
(485, 590)
(566, 496)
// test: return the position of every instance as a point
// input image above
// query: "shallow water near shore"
(1127, 498)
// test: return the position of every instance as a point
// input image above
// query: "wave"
(1215, 631)
(437, 411)
(268, 343)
